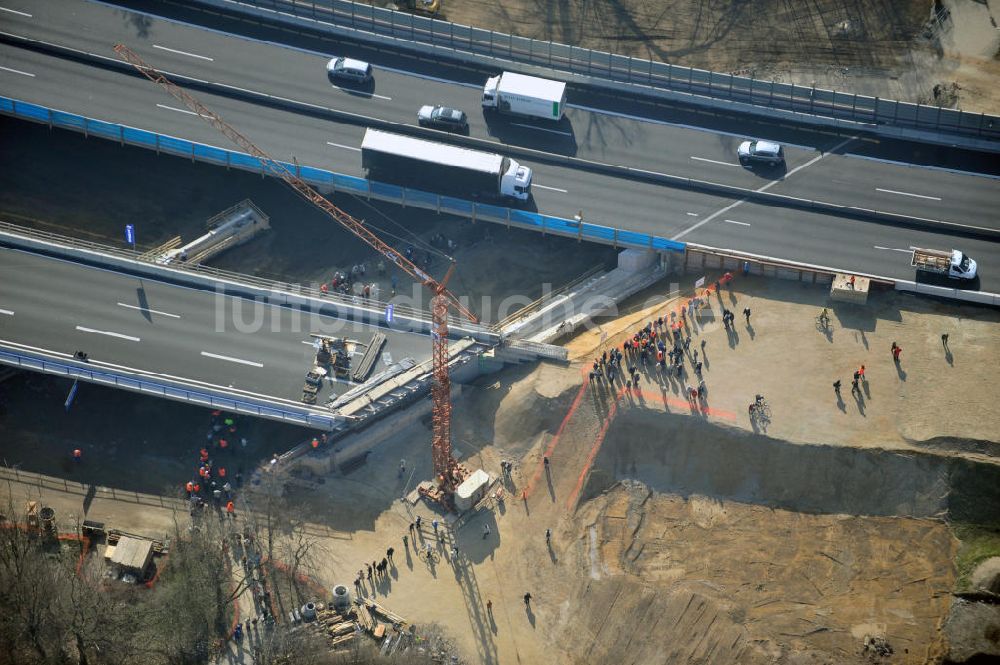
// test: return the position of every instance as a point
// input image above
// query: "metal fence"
(459, 39)
(163, 388)
(337, 182)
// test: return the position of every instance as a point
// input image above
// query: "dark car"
(442, 117)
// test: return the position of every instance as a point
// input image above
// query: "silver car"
(760, 152)
(442, 117)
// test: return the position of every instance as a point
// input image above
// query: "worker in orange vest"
(222, 472)
(204, 455)
(77, 455)
(189, 487)
(315, 442)
(231, 509)
(223, 444)
(197, 488)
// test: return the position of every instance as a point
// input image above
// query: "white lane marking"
(358, 92)
(345, 147)
(713, 161)
(554, 189)
(763, 188)
(733, 221)
(190, 55)
(14, 11)
(7, 312)
(231, 359)
(691, 214)
(926, 167)
(108, 333)
(894, 249)
(151, 311)
(171, 108)
(918, 196)
(17, 71)
(541, 129)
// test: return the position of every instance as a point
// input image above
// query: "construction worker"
(315, 443)
(190, 488)
(77, 455)
(204, 455)
(222, 472)
(223, 444)
(231, 509)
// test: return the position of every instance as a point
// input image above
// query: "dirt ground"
(885, 48)
(680, 530)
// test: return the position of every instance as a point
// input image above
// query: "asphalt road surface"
(169, 331)
(819, 239)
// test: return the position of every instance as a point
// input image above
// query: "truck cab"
(516, 181)
(962, 266)
(490, 92)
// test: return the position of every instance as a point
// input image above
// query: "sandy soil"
(738, 547)
(880, 48)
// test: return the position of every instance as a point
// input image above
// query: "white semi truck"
(954, 264)
(439, 167)
(530, 96)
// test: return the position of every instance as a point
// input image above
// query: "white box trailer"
(531, 96)
(442, 168)
(954, 263)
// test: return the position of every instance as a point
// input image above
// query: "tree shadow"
(88, 498)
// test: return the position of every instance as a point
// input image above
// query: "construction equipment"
(448, 472)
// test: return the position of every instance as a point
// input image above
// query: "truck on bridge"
(530, 96)
(954, 264)
(439, 167)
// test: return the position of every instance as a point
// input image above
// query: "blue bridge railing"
(340, 182)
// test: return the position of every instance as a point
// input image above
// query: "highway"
(692, 216)
(586, 132)
(161, 330)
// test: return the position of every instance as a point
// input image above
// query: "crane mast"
(448, 472)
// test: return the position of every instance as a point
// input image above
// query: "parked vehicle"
(347, 69)
(443, 117)
(954, 263)
(438, 167)
(760, 152)
(525, 95)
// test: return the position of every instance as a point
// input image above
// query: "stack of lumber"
(337, 627)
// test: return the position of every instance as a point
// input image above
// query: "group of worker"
(212, 482)
(664, 341)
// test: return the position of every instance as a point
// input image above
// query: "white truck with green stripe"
(530, 96)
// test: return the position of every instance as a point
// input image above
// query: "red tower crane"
(447, 471)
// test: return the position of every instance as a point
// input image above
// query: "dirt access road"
(885, 48)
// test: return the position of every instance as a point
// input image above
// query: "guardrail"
(168, 389)
(465, 42)
(337, 182)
